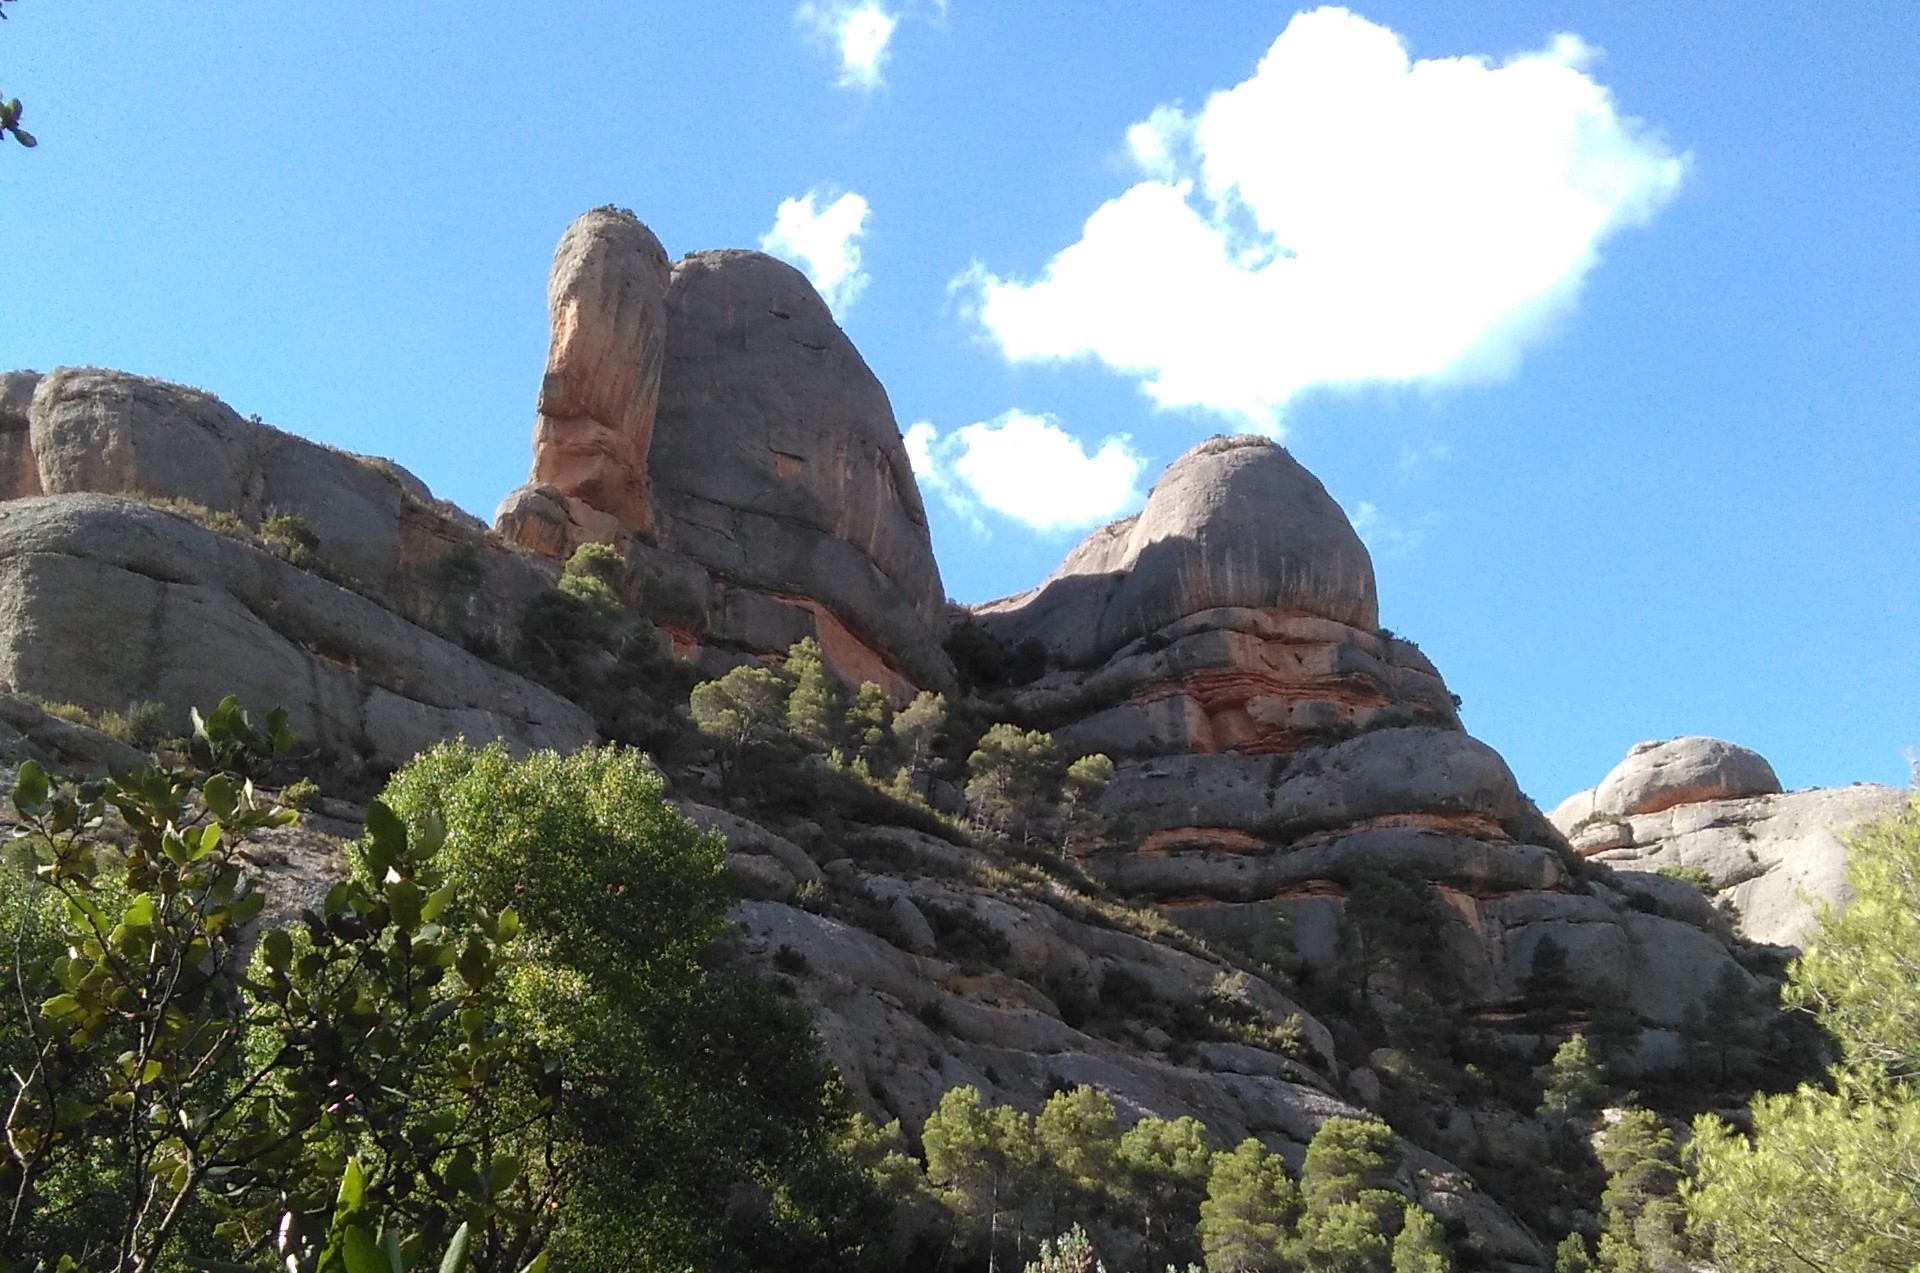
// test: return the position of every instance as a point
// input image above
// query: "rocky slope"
(1276, 749)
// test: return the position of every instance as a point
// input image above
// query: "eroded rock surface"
(1236, 612)
(715, 421)
(1701, 803)
(107, 601)
(606, 300)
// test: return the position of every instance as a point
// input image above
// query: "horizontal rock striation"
(1236, 612)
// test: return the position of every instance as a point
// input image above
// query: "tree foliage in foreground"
(514, 1029)
(1829, 1176)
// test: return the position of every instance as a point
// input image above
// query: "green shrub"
(289, 534)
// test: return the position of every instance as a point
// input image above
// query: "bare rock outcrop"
(1700, 803)
(1660, 775)
(606, 300)
(1236, 612)
(106, 601)
(1235, 522)
(715, 421)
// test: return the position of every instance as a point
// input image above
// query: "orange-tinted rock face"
(606, 300)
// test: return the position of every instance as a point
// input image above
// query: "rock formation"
(1701, 803)
(1235, 612)
(606, 300)
(768, 498)
(1273, 743)
(107, 601)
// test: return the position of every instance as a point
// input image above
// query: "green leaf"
(456, 1257)
(362, 1253)
(501, 1173)
(539, 1264)
(276, 948)
(438, 901)
(387, 835)
(353, 1189)
(219, 794)
(390, 1247)
(30, 788)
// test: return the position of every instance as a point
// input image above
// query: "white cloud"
(1346, 215)
(858, 32)
(821, 241)
(1028, 468)
(1383, 535)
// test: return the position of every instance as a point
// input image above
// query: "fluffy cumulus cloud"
(1346, 215)
(858, 32)
(1028, 468)
(822, 241)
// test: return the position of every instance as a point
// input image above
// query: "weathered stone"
(743, 836)
(1660, 775)
(1772, 857)
(1233, 522)
(19, 471)
(776, 463)
(1446, 778)
(606, 300)
(197, 616)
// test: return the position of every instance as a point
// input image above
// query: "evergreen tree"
(1086, 780)
(1641, 1216)
(1071, 1252)
(1248, 1214)
(1348, 1217)
(1575, 1082)
(867, 726)
(1728, 1024)
(1828, 1178)
(1014, 775)
(1166, 1162)
(1421, 1246)
(816, 703)
(745, 708)
(979, 1160)
(915, 729)
(1572, 1256)
(1080, 1139)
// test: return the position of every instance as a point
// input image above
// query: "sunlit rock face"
(606, 301)
(1772, 857)
(712, 419)
(1236, 612)
(777, 464)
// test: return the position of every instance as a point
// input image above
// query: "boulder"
(194, 616)
(777, 463)
(1660, 775)
(606, 301)
(1234, 522)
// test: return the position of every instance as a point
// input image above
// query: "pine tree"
(867, 726)
(1347, 1215)
(915, 728)
(1828, 1178)
(1575, 1081)
(1640, 1212)
(745, 708)
(1014, 775)
(1086, 780)
(1572, 1256)
(1421, 1245)
(815, 706)
(1166, 1162)
(1248, 1213)
(979, 1159)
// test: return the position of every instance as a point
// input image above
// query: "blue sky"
(1603, 323)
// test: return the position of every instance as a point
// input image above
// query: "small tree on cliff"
(915, 728)
(816, 705)
(745, 708)
(1014, 774)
